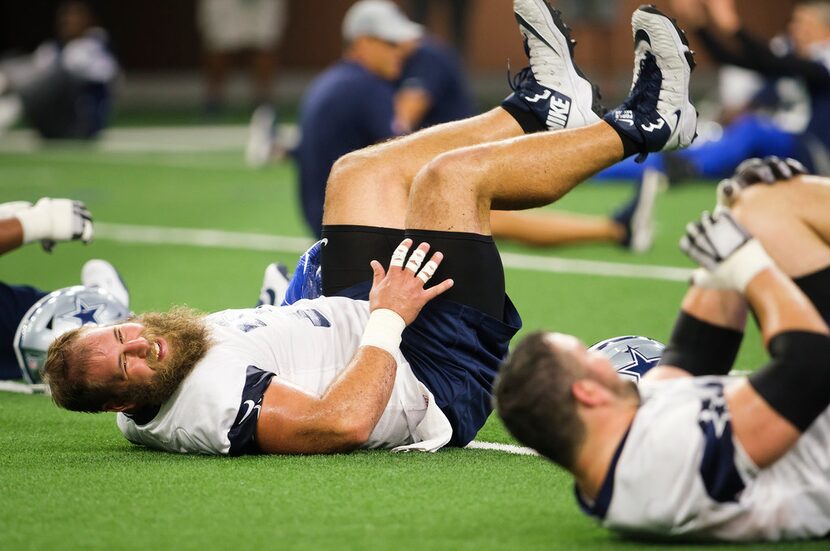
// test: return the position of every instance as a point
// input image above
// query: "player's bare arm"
(732, 259)
(717, 317)
(293, 421)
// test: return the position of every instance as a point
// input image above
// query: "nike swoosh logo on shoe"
(641, 36)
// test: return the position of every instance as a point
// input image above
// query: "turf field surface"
(70, 481)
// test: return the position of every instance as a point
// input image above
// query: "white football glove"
(729, 256)
(52, 220)
(757, 171)
(8, 210)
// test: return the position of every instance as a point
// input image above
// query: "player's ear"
(589, 393)
(120, 407)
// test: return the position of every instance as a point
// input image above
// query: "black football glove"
(757, 171)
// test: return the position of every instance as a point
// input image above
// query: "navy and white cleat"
(552, 87)
(658, 115)
(274, 285)
(100, 273)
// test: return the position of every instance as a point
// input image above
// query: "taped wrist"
(796, 382)
(36, 224)
(383, 330)
(701, 348)
(743, 265)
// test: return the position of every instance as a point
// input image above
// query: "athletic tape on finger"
(428, 271)
(416, 260)
(399, 256)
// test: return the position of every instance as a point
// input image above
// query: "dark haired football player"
(691, 452)
(343, 372)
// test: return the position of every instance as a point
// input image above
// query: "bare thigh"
(370, 187)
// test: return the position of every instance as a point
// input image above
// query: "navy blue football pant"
(15, 301)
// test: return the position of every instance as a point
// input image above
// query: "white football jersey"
(681, 472)
(215, 409)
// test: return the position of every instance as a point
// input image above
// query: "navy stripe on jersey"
(144, 415)
(242, 432)
(720, 476)
(600, 506)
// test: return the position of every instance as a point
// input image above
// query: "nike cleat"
(100, 273)
(552, 88)
(261, 136)
(658, 115)
(274, 285)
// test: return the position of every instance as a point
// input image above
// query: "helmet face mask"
(632, 356)
(54, 315)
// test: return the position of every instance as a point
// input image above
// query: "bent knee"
(455, 170)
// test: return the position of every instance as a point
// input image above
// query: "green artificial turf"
(70, 481)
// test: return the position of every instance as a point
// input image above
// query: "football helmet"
(632, 356)
(54, 315)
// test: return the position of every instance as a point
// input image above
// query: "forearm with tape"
(796, 382)
(383, 330)
(743, 265)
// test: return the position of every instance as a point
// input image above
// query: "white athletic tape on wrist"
(428, 271)
(416, 260)
(383, 330)
(36, 223)
(743, 265)
(701, 277)
(399, 256)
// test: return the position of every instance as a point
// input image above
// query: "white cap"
(379, 19)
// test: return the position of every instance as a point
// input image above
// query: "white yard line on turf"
(172, 139)
(265, 242)
(506, 448)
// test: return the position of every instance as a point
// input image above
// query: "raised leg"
(456, 191)
(371, 187)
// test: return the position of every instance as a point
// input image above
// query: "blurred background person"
(803, 56)
(64, 88)
(433, 87)
(351, 104)
(235, 29)
(459, 14)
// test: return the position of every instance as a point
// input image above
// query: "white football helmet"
(54, 315)
(632, 356)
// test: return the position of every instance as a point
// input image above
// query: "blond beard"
(188, 340)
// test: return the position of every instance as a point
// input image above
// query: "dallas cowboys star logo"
(84, 312)
(638, 366)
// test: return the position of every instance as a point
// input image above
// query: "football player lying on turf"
(343, 372)
(690, 452)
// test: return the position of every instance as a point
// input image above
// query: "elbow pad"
(796, 382)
